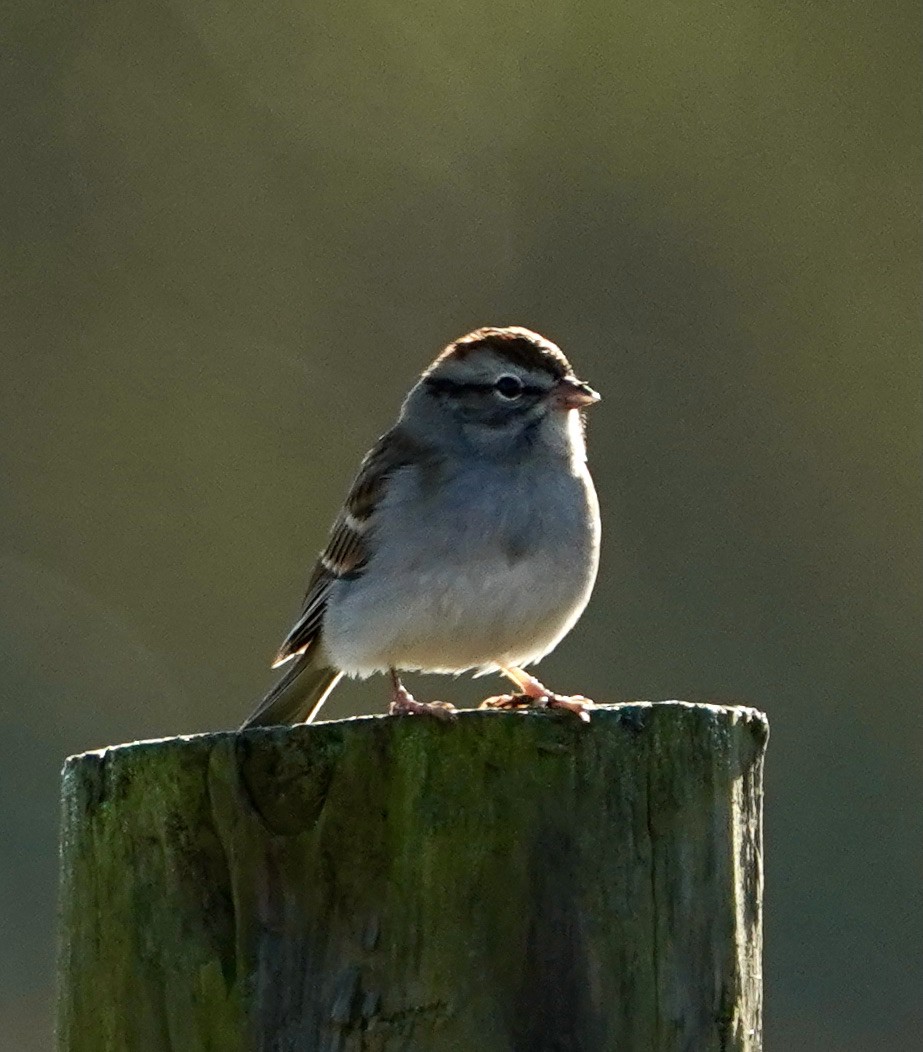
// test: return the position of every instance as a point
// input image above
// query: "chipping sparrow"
(469, 539)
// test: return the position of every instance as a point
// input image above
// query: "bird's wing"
(347, 551)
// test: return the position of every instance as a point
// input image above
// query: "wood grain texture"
(515, 882)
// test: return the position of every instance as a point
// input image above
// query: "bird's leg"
(403, 703)
(535, 694)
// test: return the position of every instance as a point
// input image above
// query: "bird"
(468, 542)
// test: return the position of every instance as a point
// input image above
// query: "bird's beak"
(571, 393)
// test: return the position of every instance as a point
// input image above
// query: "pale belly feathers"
(467, 579)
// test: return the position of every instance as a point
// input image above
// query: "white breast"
(489, 566)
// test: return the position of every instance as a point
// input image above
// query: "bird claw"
(403, 703)
(409, 706)
(577, 703)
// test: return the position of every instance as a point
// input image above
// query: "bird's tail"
(297, 696)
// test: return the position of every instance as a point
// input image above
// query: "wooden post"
(506, 883)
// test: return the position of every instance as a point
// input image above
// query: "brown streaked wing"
(306, 628)
(346, 552)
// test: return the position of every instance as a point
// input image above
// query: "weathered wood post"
(506, 883)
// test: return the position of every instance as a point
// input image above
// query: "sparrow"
(469, 541)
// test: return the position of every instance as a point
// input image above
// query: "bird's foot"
(580, 706)
(403, 703)
(540, 696)
(576, 703)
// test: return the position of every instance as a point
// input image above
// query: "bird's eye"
(508, 387)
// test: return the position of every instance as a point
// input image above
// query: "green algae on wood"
(509, 881)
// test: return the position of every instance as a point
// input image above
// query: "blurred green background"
(234, 233)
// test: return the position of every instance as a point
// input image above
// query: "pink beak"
(571, 393)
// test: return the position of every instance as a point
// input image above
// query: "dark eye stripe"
(442, 385)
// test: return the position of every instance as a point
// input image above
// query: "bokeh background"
(234, 233)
